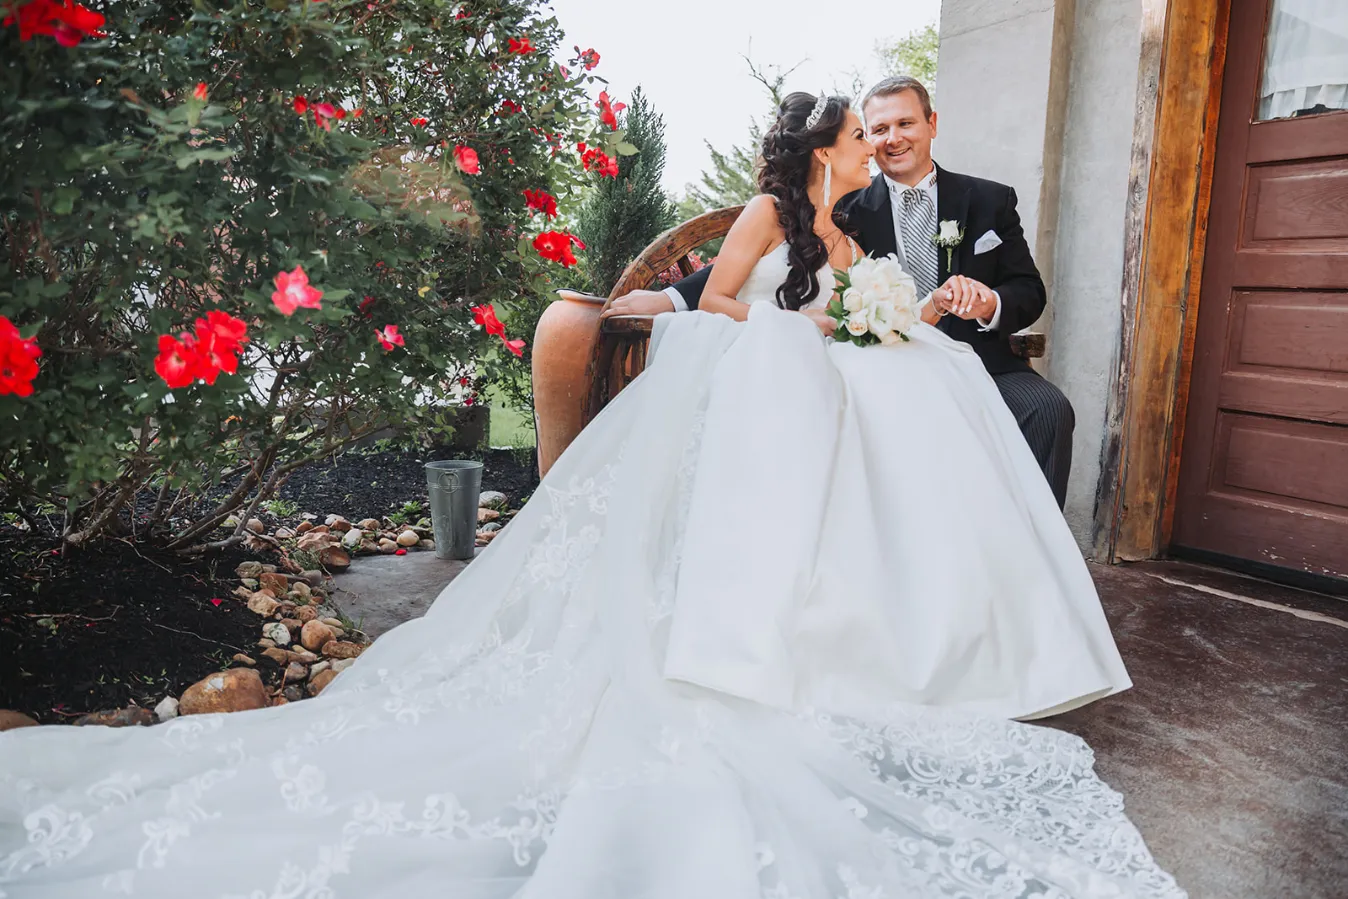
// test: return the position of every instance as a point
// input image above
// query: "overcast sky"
(686, 55)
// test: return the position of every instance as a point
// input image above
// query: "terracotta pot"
(563, 345)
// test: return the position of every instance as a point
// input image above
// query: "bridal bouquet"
(876, 302)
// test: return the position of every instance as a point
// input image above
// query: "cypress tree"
(622, 215)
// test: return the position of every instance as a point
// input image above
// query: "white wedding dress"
(758, 634)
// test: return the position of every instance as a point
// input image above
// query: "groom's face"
(901, 135)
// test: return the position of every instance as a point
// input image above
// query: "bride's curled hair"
(788, 156)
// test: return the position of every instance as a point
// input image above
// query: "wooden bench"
(621, 353)
(567, 397)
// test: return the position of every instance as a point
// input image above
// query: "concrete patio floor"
(1231, 750)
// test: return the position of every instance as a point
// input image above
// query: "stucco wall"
(1088, 257)
(1040, 94)
(993, 94)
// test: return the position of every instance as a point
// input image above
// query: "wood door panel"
(1296, 464)
(1291, 139)
(1264, 465)
(1267, 532)
(1289, 266)
(1294, 332)
(1303, 201)
(1284, 396)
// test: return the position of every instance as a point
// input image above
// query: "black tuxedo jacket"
(979, 206)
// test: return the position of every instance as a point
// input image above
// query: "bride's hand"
(822, 320)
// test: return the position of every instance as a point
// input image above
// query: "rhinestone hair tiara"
(819, 106)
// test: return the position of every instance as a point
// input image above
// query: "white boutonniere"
(950, 235)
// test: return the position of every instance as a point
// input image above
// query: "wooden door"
(1264, 468)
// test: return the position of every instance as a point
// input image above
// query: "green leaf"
(63, 200)
(210, 154)
(626, 149)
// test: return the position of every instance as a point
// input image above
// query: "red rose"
(18, 360)
(596, 159)
(301, 105)
(556, 247)
(212, 347)
(542, 201)
(293, 292)
(589, 58)
(467, 161)
(323, 113)
(515, 346)
(66, 21)
(485, 316)
(608, 111)
(218, 339)
(200, 93)
(521, 45)
(176, 362)
(389, 336)
(420, 123)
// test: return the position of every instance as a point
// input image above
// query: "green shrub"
(177, 165)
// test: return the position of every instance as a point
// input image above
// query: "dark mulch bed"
(359, 484)
(111, 625)
(115, 623)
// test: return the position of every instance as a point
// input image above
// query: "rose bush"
(219, 221)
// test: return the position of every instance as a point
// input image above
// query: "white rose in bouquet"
(866, 278)
(905, 315)
(880, 319)
(876, 302)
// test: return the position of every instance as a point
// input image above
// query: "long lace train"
(521, 740)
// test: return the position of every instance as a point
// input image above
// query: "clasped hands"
(965, 298)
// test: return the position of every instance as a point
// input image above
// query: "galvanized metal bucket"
(454, 487)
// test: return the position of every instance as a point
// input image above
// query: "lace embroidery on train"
(995, 791)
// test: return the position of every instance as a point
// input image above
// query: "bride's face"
(850, 156)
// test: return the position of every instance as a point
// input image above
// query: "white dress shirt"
(896, 191)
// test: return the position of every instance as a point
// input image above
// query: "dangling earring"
(828, 182)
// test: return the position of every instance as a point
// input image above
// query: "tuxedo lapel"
(877, 219)
(952, 204)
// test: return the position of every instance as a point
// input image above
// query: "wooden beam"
(1163, 268)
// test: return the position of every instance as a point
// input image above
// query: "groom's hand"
(640, 302)
(966, 298)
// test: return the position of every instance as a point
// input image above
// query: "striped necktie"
(918, 222)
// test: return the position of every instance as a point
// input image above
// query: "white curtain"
(1306, 62)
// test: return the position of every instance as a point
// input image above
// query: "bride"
(758, 634)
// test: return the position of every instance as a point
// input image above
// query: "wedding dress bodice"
(770, 272)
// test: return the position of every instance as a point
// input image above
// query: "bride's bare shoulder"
(760, 218)
(761, 206)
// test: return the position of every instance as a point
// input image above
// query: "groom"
(987, 284)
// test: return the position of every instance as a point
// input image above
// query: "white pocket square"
(989, 241)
